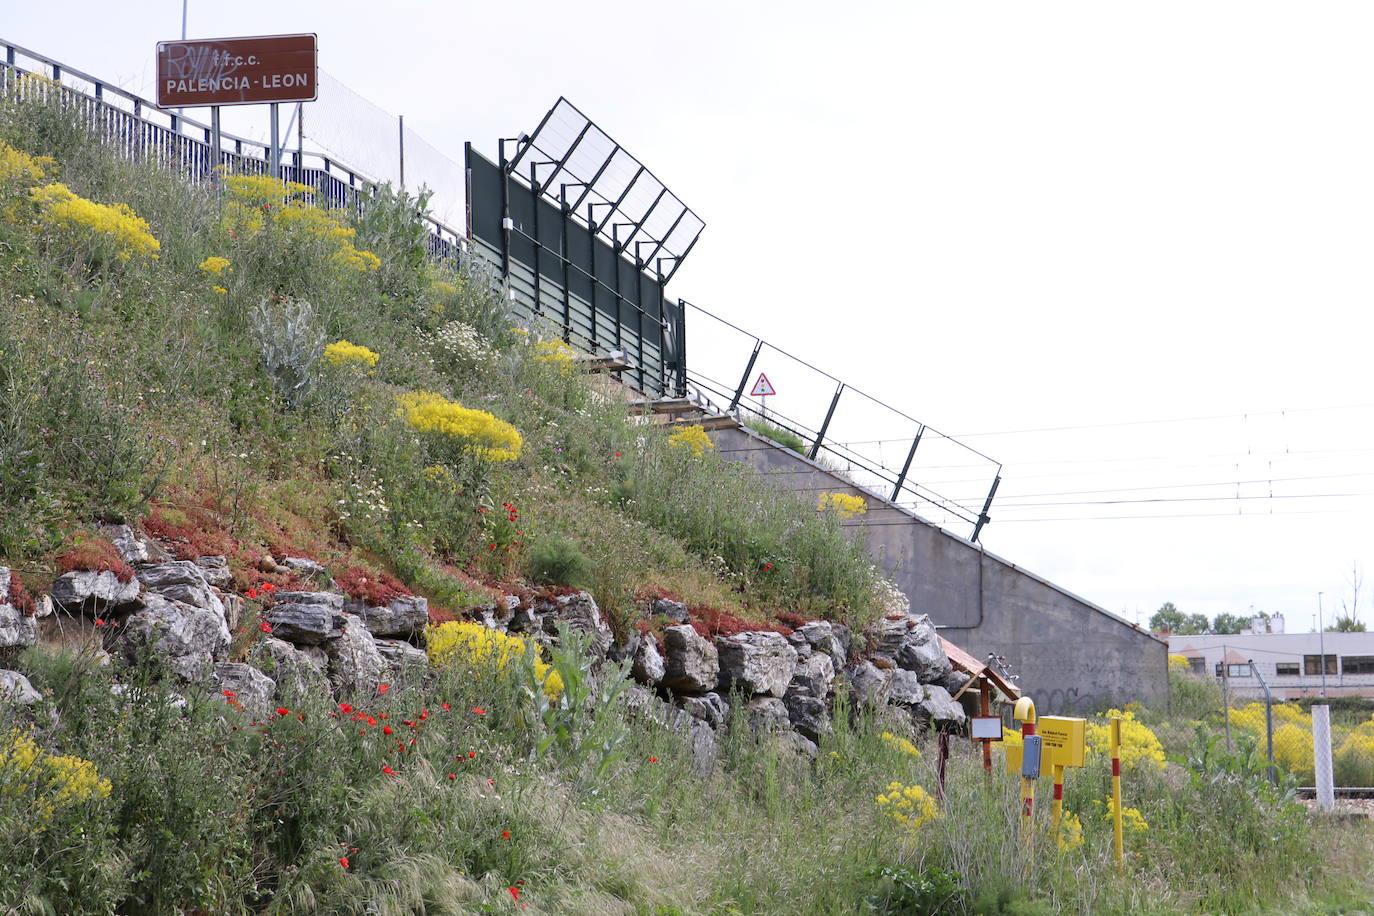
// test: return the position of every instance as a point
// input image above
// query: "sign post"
(1065, 740)
(762, 389)
(239, 71)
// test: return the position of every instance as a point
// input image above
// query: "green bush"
(555, 560)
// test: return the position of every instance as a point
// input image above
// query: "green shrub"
(555, 560)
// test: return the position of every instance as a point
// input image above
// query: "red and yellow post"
(1116, 791)
(1025, 712)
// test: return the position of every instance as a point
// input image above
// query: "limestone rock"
(304, 566)
(691, 662)
(132, 547)
(922, 651)
(870, 684)
(937, 706)
(906, 688)
(355, 664)
(767, 713)
(180, 580)
(215, 569)
(675, 611)
(401, 655)
(798, 642)
(253, 690)
(579, 612)
(294, 671)
(16, 628)
(813, 676)
(808, 715)
(648, 665)
(306, 618)
(709, 708)
(830, 638)
(96, 592)
(756, 662)
(404, 616)
(188, 637)
(16, 689)
(705, 748)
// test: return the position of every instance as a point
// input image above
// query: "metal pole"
(1321, 641)
(1268, 722)
(825, 424)
(274, 157)
(401, 130)
(1118, 846)
(1321, 757)
(744, 379)
(215, 138)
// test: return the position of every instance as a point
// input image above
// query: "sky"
(1123, 249)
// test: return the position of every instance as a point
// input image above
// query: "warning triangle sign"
(762, 388)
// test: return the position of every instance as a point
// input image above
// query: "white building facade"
(1294, 665)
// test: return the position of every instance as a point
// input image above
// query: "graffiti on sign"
(236, 71)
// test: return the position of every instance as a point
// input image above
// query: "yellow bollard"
(1025, 713)
(1116, 791)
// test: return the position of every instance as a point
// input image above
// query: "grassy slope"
(135, 391)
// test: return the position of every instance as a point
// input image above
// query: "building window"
(1287, 669)
(1357, 664)
(1197, 665)
(1312, 664)
(1237, 670)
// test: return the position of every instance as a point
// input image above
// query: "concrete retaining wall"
(1073, 657)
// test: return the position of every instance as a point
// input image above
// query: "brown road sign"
(236, 71)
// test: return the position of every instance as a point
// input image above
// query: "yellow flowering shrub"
(117, 224)
(692, 437)
(1132, 821)
(257, 201)
(215, 265)
(1139, 745)
(480, 433)
(341, 353)
(1178, 662)
(219, 289)
(56, 781)
(1070, 831)
(845, 505)
(902, 744)
(17, 165)
(441, 477)
(910, 806)
(555, 352)
(485, 652)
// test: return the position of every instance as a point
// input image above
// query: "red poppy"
(229, 693)
(265, 627)
(383, 688)
(653, 760)
(445, 707)
(491, 783)
(343, 860)
(617, 454)
(452, 775)
(471, 754)
(99, 622)
(268, 587)
(371, 721)
(386, 729)
(283, 711)
(479, 710)
(345, 708)
(505, 834)
(424, 714)
(514, 892)
(388, 770)
(251, 593)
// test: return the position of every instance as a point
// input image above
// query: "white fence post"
(1321, 756)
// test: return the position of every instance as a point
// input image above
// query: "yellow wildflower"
(1071, 830)
(342, 353)
(912, 806)
(901, 744)
(17, 165)
(219, 289)
(485, 652)
(117, 223)
(555, 352)
(57, 781)
(692, 437)
(845, 505)
(1139, 745)
(215, 265)
(483, 434)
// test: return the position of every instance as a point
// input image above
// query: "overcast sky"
(1123, 249)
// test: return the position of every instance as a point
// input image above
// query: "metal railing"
(142, 132)
(834, 421)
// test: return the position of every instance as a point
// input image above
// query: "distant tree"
(1352, 609)
(1170, 618)
(1226, 624)
(1346, 624)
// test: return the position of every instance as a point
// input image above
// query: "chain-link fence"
(1253, 708)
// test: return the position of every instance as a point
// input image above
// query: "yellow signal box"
(1065, 739)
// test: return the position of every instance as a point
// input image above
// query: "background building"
(1291, 663)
